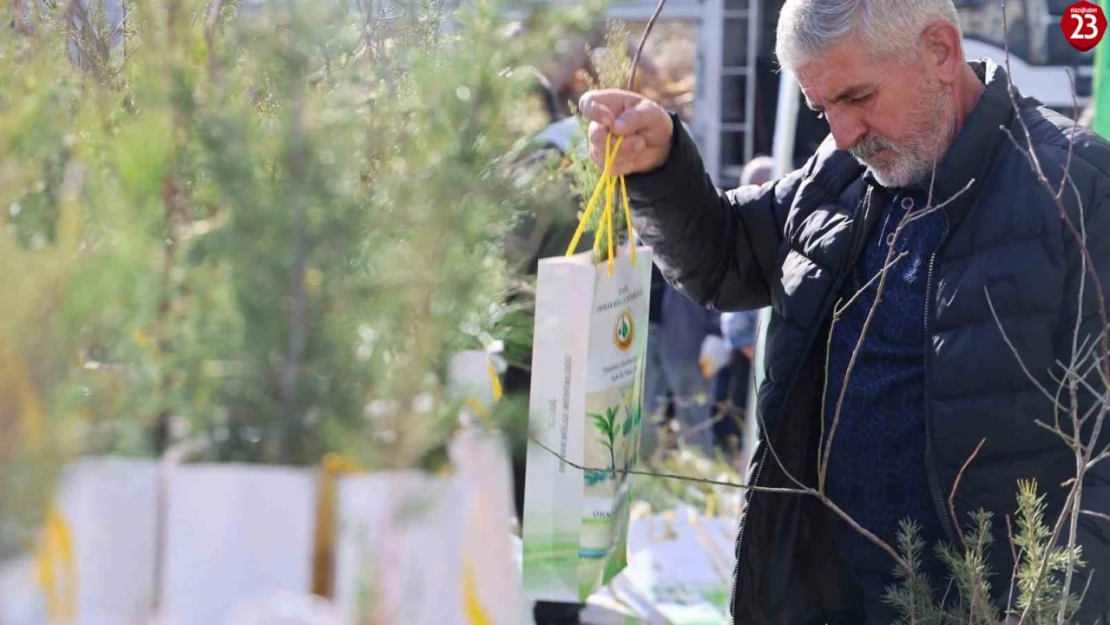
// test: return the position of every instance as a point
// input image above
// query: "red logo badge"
(1083, 24)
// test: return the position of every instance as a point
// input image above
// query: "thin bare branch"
(1088, 262)
(775, 455)
(841, 308)
(956, 486)
(1071, 139)
(1055, 430)
(1016, 554)
(643, 40)
(1097, 515)
(671, 476)
(1014, 351)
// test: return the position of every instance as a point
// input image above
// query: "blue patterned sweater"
(877, 467)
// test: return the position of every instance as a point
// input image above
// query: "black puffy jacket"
(788, 245)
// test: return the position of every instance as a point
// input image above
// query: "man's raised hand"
(644, 124)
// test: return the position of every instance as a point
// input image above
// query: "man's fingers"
(596, 111)
(631, 145)
(629, 121)
(604, 105)
(646, 117)
(643, 124)
(597, 134)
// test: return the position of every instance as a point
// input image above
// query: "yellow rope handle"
(610, 156)
(608, 185)
(628, 221)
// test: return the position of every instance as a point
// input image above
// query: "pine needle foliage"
(970, 588)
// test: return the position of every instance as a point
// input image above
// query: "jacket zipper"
(793, 379)
(930, 459)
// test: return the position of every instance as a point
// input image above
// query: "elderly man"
(919, 159)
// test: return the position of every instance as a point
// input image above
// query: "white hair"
(807, 28)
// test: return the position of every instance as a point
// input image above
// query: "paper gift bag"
(584, 409)
(680, 567)
(399, 548)
(234, 533)
(476, 382)
(286, 608)
(425, 549)
(94, 563)
(491, 582)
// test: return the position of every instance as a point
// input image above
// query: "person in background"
(731, 384)
(760, 170)
(692, 352)
(739, 330)
(656, 392)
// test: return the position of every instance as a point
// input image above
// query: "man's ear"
(942, 50)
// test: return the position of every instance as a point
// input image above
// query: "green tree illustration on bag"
(633, 413)
(607, 425)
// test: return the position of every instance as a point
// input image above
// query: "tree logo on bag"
(624, 332)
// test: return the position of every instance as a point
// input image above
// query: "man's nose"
(847, 129)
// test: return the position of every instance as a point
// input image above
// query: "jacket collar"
(969, 157)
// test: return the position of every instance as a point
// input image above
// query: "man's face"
(891, 115)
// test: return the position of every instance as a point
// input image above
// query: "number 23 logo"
(1083, 25)
(1086, 26)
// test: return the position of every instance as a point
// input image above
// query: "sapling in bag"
(585, 408)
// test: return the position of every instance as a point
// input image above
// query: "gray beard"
(912, 163)
(906, 171)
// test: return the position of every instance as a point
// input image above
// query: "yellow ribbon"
(332, 468)
(472, 606)
(607, 184)
(495, 381)
(497, 392)
(56, 552)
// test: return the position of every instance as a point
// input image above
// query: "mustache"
(872, 144)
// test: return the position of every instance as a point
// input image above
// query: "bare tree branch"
(956, 487)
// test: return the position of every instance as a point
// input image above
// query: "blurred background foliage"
(259, 228)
